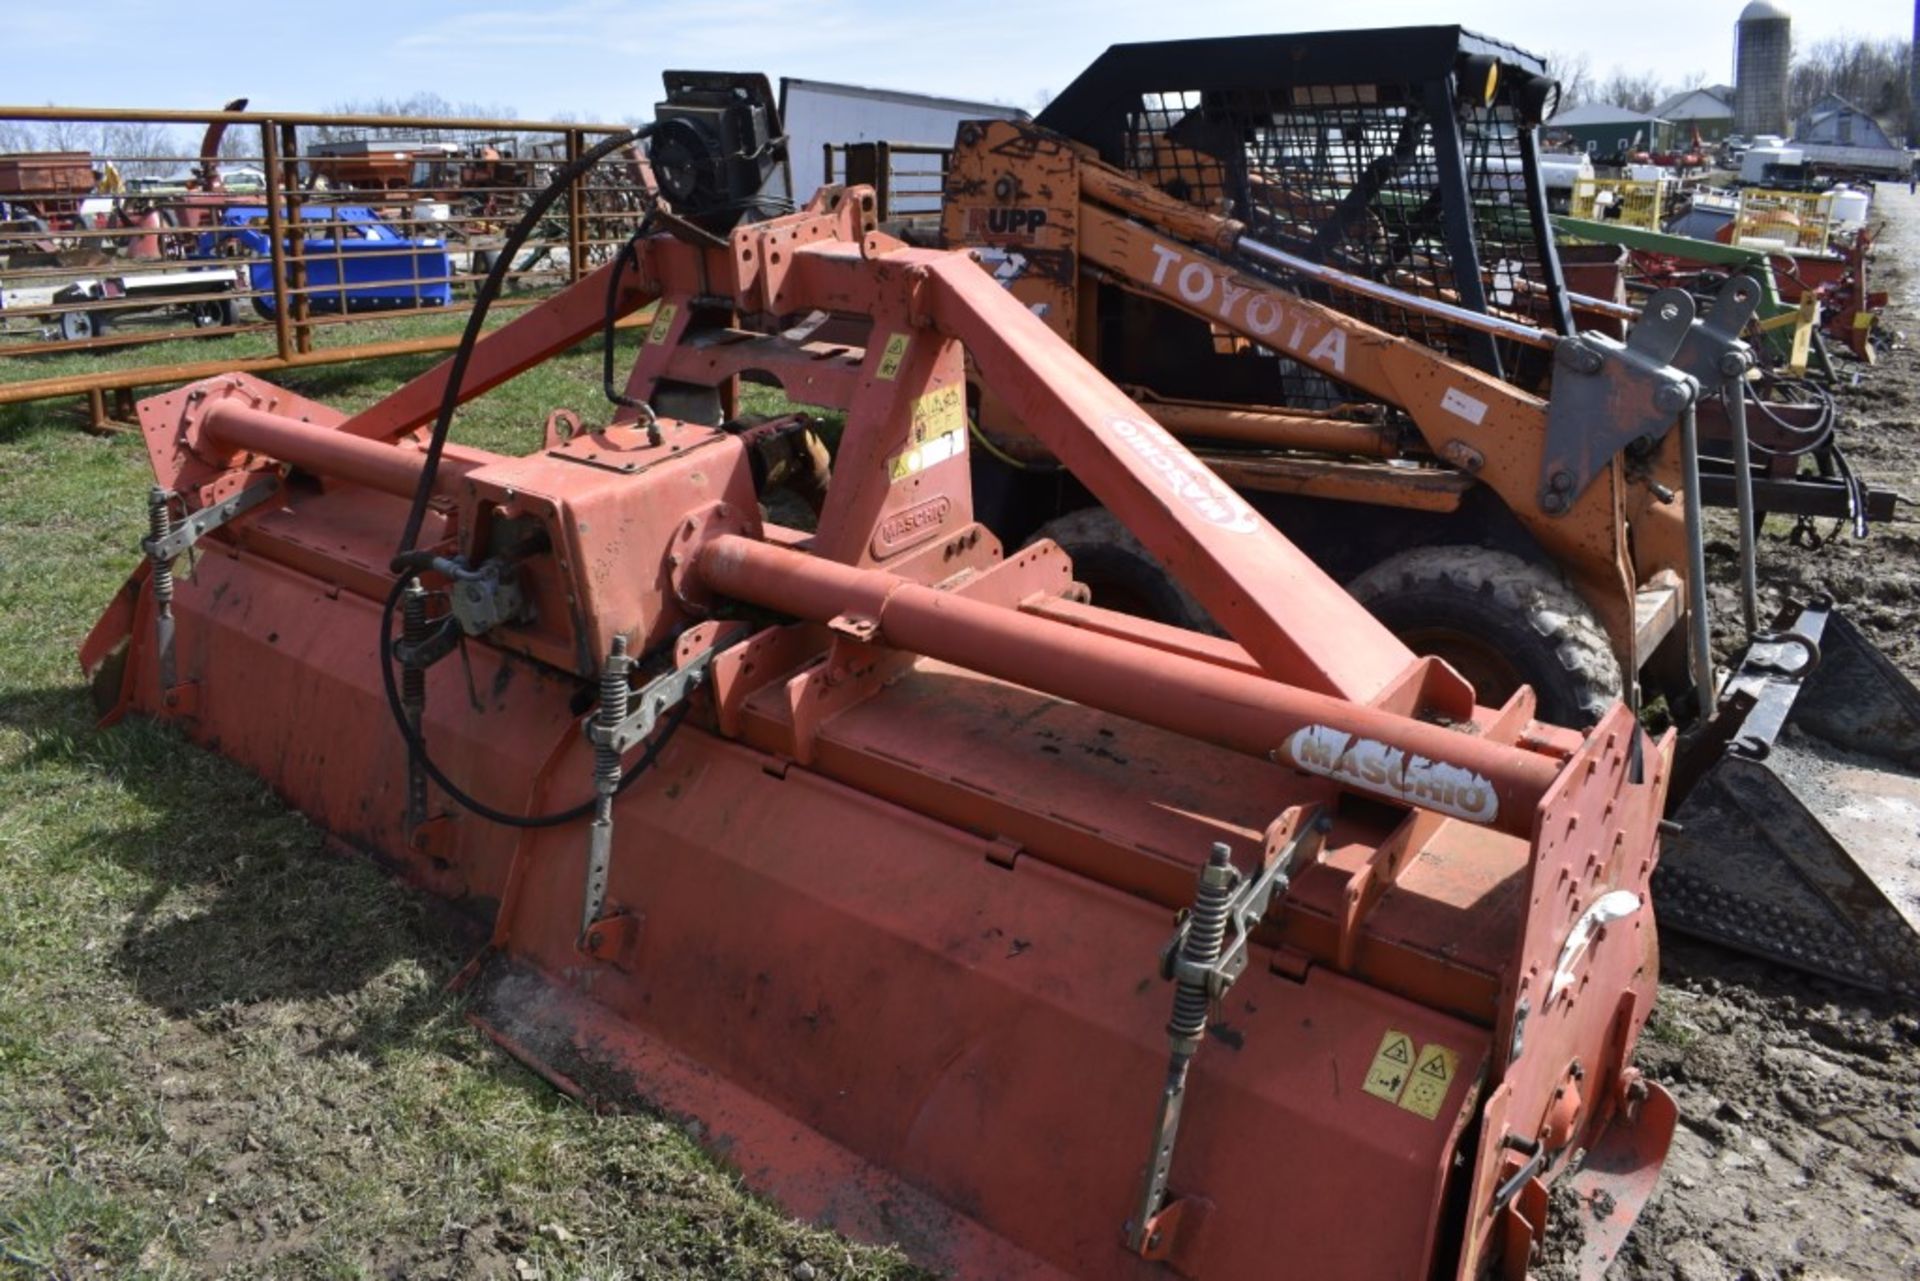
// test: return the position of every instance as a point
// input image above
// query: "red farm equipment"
(1041, 939)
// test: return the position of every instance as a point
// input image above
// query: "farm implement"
(961, 912)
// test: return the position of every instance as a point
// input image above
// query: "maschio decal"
(1186, 475)
(1375, 767)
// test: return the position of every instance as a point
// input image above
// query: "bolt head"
(1579, 357)
(1672, 398)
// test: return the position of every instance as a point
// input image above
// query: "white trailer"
(1884, 163)
(818, 115)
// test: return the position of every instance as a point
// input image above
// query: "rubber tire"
(1524, 611)
(1112, 563)
(213, 314)
(71, 325)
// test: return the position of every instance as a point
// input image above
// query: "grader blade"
(1800, 842)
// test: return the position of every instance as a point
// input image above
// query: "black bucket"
(1799, 834)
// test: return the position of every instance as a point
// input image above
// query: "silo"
(1763, 48)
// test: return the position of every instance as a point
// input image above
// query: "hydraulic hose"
(628, 258)
(407, 559)
(416, 745)
(477, 319)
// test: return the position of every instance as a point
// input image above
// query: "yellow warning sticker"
(937, 413)
(892, 355)
(1433, 1074)
(1392, 1064)
(662, 323)
(950, 444)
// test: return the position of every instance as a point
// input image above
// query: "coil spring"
(413, 630)
(614, 693)
(1206, 935)
(159, 527)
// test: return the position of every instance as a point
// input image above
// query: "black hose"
(1812, 437)
(407, 560)
(628, 257)
(477, 319)
(417, 747)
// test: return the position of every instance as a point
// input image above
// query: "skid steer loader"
(1342, 288)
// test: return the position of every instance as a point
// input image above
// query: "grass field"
(225, 1052)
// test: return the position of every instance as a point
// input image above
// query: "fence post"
(296, 237)
(276, 238)
(576, 210)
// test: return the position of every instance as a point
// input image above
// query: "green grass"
(225, 1051)
(327, 332)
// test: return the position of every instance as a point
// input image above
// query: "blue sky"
(601, 59)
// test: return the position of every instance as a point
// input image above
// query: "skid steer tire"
(1120, 573)
(1501, 621)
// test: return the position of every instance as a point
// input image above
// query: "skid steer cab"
(963, 913)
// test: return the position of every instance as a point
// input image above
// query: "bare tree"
(1869, 73)
(67, 135)
(425, 106)
(1636, 92)
(1574, 71)
(142, 149)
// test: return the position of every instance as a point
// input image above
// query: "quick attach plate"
(1608, 394)
(1713, 351)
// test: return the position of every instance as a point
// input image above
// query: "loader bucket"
(1801, 842)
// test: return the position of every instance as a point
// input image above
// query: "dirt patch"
(1798, 1153)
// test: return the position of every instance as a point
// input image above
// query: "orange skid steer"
(1039, 939)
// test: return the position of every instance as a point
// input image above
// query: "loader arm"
(1074, 221)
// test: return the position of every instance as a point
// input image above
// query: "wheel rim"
(1485, 666)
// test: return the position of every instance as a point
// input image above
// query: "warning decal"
(662, 323)
(891, 356)
(938, 422)
(1392, 1064)
(940, 411)
(1432, 1077)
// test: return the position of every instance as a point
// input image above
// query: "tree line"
(148, 149)
(1870, 72)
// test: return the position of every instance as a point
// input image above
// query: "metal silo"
(1763, 48)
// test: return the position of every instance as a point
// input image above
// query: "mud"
(1798, 1153)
